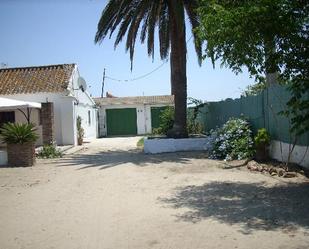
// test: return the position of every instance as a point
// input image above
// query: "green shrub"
(80, 130)
(166, 121)
(233, 140)
(16, 133)
(262, 138)
(49, 151)
(194, 127)
(140, 143)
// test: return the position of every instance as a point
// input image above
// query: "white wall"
(59, 101)
(300, 154)
(67, 106)
(89, 127)
(84, 105)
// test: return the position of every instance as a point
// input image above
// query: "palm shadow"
(112, 158)
(253, 206)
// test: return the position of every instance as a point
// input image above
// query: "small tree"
(80, 131)
(269, 38)
(20, 139)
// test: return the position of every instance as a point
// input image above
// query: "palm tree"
(133, 17)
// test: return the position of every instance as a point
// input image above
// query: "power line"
(144, 75)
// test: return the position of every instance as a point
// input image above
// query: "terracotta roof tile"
(51, 78)
(163, 99)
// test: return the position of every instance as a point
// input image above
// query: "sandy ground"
(110, 195)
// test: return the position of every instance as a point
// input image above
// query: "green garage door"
(155, 116)
(121, 121)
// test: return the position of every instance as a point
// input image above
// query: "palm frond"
(191, 9)
(133, 17)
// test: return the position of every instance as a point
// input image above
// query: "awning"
(11, 104)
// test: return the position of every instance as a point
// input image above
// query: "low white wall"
(300, 154)
(157, 145)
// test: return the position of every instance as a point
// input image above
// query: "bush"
(194, 127)
(49, 151)
(262, 138)
(15, 133)
(140, 143)
(233, 140)
(80, 131)
(166, 121)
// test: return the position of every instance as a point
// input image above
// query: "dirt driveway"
(110, 195)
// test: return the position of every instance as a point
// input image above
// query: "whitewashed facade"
(68, 105)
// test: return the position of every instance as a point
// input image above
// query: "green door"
(121, 121)
(155, 116)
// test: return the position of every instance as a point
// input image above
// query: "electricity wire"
(144, 75)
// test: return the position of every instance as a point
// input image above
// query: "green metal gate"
(121, 121)
(155, 116)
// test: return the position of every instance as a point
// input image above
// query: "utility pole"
(102, 93)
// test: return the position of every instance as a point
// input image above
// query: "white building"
(60, 85)
(130, 115)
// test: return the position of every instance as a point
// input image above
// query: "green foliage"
(233, 140)
(255, 89)
(166, 121)
(140, 143)
(16, 133)
(262, 137)
(265, 36)
(80, 129)
(49, 151)
(144, 18)
(193, 126)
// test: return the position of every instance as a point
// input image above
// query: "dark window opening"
(7, 117)
(89, 118)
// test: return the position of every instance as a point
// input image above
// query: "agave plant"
(16, 133)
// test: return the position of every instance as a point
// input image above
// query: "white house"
(59, 85)
(130, 115)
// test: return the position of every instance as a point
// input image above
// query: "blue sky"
(42, 32)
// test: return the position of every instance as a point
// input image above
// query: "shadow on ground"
(253, 206)
(108, 159)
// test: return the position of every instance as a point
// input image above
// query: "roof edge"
(44, 66)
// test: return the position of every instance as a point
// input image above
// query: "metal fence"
(261, 110)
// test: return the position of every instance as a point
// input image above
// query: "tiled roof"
(51, 78)
(163, 99)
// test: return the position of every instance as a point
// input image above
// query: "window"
(7, 117)
(89, 117)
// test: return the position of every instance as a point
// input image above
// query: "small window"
(7, 117)
(40, 116)
(89, 117)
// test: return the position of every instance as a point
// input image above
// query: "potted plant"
(80, 131)
(20, 140)
(262, 141)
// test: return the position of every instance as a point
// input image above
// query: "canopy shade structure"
(11, 104)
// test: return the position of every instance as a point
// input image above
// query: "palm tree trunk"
(178, 68)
